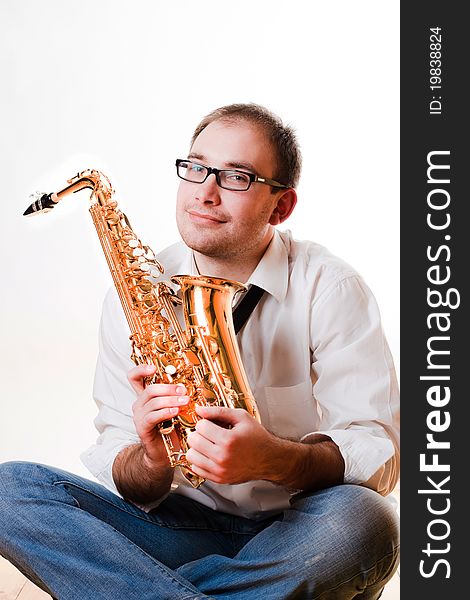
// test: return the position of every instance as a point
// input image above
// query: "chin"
(208, 249)
(199, 240)
(196, 240)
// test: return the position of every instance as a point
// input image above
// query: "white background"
(119, 86)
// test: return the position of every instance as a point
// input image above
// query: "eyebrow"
(231, 164)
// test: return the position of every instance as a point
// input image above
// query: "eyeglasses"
(229, 179)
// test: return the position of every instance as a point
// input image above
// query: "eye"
(235, 177)
(195, 168)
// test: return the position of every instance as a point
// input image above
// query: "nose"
(209, 191)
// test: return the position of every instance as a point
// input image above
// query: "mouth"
(204, 217)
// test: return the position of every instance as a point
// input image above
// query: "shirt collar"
(272, 271)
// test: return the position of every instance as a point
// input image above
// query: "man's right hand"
(155, 403)
(142, 472)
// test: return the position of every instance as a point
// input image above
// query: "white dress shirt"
(316, 359)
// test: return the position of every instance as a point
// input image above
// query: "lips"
(205, 217)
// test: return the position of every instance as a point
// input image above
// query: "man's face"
(223, 223)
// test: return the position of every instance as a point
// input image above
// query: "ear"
(284, 207)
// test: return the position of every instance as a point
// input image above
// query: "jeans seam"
(137, 516)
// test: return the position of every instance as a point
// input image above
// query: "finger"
(205, 474)
(136, 376)
(222, 415)
(202, 445)
(156, 390)
(213, 432)
(160, 403)
(201, 462)
(164, 389)
(153, 418)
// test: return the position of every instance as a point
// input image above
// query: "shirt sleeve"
(112, 393)
(355, 384)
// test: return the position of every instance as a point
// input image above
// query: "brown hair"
(282, 137)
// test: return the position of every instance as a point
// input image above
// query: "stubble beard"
(225, 246)
(218, 247)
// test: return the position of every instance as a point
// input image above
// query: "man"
(292, 507)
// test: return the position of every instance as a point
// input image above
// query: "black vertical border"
(421, 133)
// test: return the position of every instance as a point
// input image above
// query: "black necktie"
(246, 306)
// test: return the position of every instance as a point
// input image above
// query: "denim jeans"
(77, 540)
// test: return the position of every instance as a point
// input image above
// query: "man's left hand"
(230, 446)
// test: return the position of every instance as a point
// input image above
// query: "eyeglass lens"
(231, 180)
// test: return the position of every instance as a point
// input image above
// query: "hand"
(230, 446)
(155, 403)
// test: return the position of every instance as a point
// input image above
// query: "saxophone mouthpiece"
(42, 203)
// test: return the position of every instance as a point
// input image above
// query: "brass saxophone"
(204, 356)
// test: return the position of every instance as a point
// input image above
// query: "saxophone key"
(145, 285)
(112, 218)
(149, 254)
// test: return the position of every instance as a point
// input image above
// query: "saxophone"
(203, 356)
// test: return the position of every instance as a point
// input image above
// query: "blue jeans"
(77, 540)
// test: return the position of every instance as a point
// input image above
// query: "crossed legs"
(77, 540)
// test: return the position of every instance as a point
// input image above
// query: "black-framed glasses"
(229, 179)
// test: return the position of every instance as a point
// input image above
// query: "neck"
(237, 268)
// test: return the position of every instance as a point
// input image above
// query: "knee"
(378, 523)
(357, 521)
(377, 541)
(358, 533)
(376, 535)
(353, 508)
(369, 514)
(21, 480)
(13, 476)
